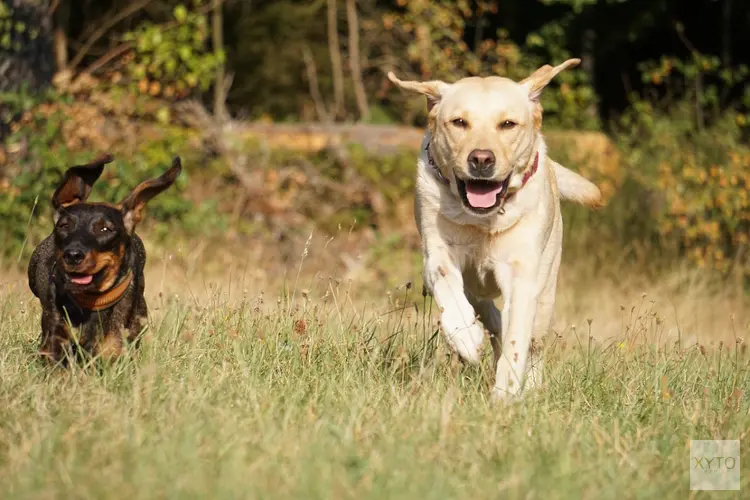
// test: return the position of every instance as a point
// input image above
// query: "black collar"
(435, 169)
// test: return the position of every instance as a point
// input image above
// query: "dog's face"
(484, 133)
(91, 239)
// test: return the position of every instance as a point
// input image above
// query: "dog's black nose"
(481, 163)
(73, 256)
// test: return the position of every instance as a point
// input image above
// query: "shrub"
(690, 153)
(172, 59)
(436, 49)
(39, 152)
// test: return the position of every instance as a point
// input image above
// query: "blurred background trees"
(666, 80)
(303, 60)
(26, 43)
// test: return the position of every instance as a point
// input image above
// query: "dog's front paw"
(465, 341)
(504, 394)
(499, 396)
(507, 384)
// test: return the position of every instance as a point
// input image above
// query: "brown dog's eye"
(508, 124)
(63, 225)
(105, 229)
(459, 122)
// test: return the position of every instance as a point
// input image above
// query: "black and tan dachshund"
(88, 274)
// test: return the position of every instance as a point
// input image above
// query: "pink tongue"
(482, 195)
(82, 280)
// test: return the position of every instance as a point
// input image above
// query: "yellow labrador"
(488, 211)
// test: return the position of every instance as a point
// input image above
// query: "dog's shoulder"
(137, 265)
(139, 252)
(40, 266)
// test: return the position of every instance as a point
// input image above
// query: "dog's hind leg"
(54, 342)
(520, 293)
(542, 324)
(545, 312)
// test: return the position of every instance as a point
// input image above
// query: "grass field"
(310, 394)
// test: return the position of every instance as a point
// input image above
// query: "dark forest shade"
(26, 60)
(25, 45)
(263, 41)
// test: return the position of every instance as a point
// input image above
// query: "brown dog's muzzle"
(81, 266)
(73, 257)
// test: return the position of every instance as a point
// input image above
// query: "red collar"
(445, 181)
(531, 171)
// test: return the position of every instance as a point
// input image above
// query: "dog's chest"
(479, 264)
(481, 280)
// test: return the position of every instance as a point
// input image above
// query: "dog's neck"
(99, 301)
(527, 175)
(435, 169)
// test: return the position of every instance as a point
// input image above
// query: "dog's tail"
(577, 188)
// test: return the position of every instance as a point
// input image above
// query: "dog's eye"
(459, 122)
(507, 125)
(63, 225)
(105, 229)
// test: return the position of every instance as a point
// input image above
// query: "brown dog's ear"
(541, 77)
(433, 89)
(77, 182)
(132, 206)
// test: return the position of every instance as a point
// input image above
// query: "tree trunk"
(354, 62)
(220, 90)
(589, 39)
(312, 80)
(334, 49)
(61, 22)
(26, 53)
(726, 37)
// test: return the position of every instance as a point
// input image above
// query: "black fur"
(95, 245)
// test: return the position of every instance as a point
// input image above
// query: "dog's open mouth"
(78, 279)
(480, 195)
(81, 279)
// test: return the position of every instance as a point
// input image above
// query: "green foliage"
(362, 188)
(272, 82)
(684, 137)
(393, 173)
(570, 100)
(689, 151)
(28, 184)
(14, 33)
(577, 5)
(438, 50)
(379, 115)
(173, 60)
(703, 80)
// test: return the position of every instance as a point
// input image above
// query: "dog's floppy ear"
(541, 77)
(132, 206)
(433, 89)
(77, 182)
